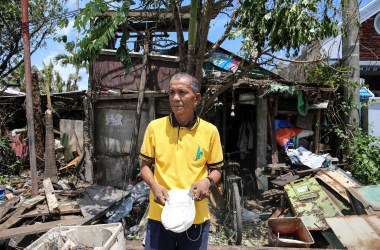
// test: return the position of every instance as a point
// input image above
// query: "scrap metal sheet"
(357, 231)
(310, 202)
(338, 181)
(365, 200)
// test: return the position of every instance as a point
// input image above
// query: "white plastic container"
(97, 237)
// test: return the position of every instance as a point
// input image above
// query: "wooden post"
(317, 130)
(140, 101)
(29, 101)
(50, 164)
(272, 137)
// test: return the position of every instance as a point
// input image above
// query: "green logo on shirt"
(199, 153)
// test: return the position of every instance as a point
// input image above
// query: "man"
(186, 153)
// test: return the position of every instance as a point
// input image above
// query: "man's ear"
(198, 98)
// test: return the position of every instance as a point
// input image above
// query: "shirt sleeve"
(215, 159)
(147, 151)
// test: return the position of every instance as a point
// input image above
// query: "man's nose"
(176, 97)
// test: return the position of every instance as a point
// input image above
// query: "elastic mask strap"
(200, 233)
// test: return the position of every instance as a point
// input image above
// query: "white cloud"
(65, 71)
(66, 31)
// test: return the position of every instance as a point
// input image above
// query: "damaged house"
(258, 116)
(244, 112)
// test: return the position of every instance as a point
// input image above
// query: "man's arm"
(201, 189)
(160, 193)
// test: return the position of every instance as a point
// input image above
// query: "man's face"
(182, 98)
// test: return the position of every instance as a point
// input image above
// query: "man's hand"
(200, 189)
(160, 193)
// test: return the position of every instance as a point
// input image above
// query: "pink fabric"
(19, 145)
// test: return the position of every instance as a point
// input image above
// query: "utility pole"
(350, 56)
(29, 100)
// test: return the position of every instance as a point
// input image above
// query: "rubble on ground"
(319, 200)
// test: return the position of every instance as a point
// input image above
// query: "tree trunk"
(179, 31)
(350, 57)
(38, 124)
(50, 164)
(192, 37)
(201, 43)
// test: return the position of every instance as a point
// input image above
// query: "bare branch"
(217, 44)
(321, 59)
(227, 84)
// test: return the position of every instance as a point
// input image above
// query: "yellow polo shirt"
(182, 156)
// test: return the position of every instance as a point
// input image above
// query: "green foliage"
(265, 26)
(102, 33)
(290, 24)
(9, 163)
(361, 150)
(47, 76)
(43, 22)
(363, 157)
(326, 75)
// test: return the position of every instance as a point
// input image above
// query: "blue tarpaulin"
(365, 93)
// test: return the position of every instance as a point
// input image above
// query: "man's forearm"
(146, 173)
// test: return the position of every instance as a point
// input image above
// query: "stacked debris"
(24, 218)
(322, 203)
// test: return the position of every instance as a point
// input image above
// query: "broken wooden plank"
(36, 228)
(70, 164)
(44, 210)
(66, 192)
(4, 208)
(52, 202)
(337, 180)
(293, 175)
(7, 216)
(25, 206)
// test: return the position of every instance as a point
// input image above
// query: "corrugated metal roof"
(357, 231)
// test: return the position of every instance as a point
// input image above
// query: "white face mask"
(179, 211)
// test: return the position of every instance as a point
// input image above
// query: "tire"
(237, 214)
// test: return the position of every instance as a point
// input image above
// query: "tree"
(44, 16)
(64, 60)
(265, 27)
(50, 77)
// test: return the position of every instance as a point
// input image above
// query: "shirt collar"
(192, 124)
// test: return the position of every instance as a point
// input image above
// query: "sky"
(44, 55)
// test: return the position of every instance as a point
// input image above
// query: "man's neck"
(183, 120)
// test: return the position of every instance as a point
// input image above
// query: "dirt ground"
(255, 234)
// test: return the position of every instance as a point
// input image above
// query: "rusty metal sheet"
(357, 231)
(365, 200)
(289, 232)
(338, 180)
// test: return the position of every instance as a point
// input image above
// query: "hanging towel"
(302, 104)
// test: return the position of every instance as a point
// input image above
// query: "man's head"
(184, 94)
